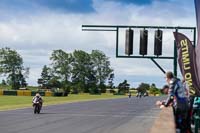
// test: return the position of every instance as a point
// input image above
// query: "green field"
(15, 102)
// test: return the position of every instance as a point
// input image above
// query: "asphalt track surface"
(124, 115)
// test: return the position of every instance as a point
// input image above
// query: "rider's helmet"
(37, 95)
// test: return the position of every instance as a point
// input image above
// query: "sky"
(34, 28)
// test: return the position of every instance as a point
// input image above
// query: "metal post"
(175, 57)
(117, 40)
(194, 36)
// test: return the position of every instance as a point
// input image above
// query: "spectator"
(179, 101)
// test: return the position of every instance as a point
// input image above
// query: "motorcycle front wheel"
(35, 109)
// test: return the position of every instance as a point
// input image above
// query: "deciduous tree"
(11, 65)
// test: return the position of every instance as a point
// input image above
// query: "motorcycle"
(139, 95)
(146, 94)
(36, 106)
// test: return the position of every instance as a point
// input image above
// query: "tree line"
(78, 71)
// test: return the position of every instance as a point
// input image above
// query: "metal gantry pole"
(194, 37)
(117, 40)
(175, 59)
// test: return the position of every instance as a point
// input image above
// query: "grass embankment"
(14, 102)
(8, 87)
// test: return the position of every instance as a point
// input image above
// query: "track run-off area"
(135, 115)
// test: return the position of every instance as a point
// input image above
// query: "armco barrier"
(165, 122)
(20, 93)
(1, 92)
(42, 93)
(23, 93)
(11, 93)
(27, 93)
(48, 93)
(58, 94)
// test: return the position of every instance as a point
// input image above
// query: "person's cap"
(37, 95)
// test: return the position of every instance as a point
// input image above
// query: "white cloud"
(35, 36)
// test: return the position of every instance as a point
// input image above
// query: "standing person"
(179, 101)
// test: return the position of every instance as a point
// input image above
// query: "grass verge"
(16, 102)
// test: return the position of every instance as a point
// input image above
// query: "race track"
(124, 115)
